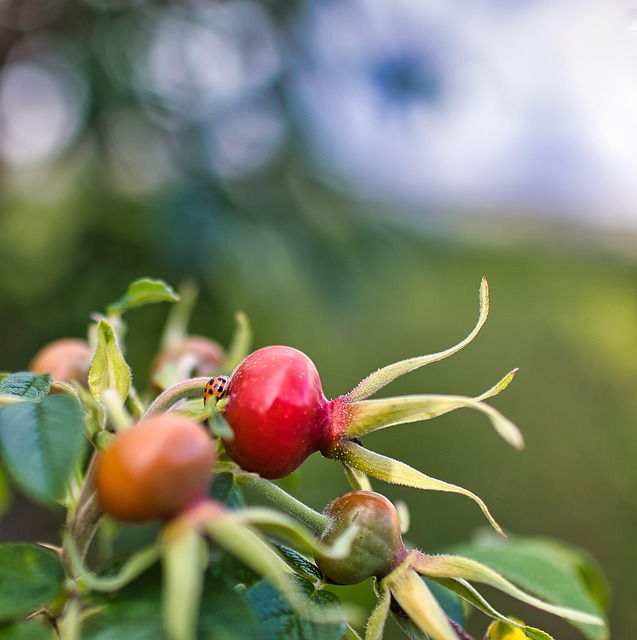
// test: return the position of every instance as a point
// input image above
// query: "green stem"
(192, 388)
(281, 498)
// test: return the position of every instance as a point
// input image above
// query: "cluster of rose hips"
(274, 414)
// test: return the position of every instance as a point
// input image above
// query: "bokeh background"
(345, 172)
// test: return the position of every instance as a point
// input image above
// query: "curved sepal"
(366, 416)
(390, 470)
(416, 599)
(296, 532)
(445, 566)
(382, 377)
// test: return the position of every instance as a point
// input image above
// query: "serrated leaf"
(142, 292)
(109, 369)
(26, 385)
(27, 630)
(279, 621)
(542, 572)
(226, 490)
(135, 613)
(40, 441)
(300, 563)
(31, 577)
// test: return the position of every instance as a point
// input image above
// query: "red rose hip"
(277, 411)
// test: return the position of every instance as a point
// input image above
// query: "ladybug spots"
(215, 388)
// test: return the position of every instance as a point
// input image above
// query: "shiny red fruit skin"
(155, 470)
(277, 411)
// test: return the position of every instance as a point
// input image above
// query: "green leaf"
(301, 564)
(108, 368)
(40, 442)
(390, 470)
(548, 570)
(384, 376)
(226, 490)
(27, 630)
(31, 577)
(280, 621)
(26, 385)
(135, 613)
(141, 292)
(448, 600)
(239, 344)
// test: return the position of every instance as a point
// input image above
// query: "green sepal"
(418, 602)
(109, 369)
(378, 466)
(290, 528)
(377, 380)
(556, 572)
(375, 629)
(366, 416)
(141, 292)
(468, 593)
(183, 555)
(134, 566)
(458, 567)
(31, 577)
(26, 385)
(176, 327)
(240, 342)
(40, 442)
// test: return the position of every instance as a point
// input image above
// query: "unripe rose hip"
(67, 359)
(155, 469)
(378, 546)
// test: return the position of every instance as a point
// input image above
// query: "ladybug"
(215, 388)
